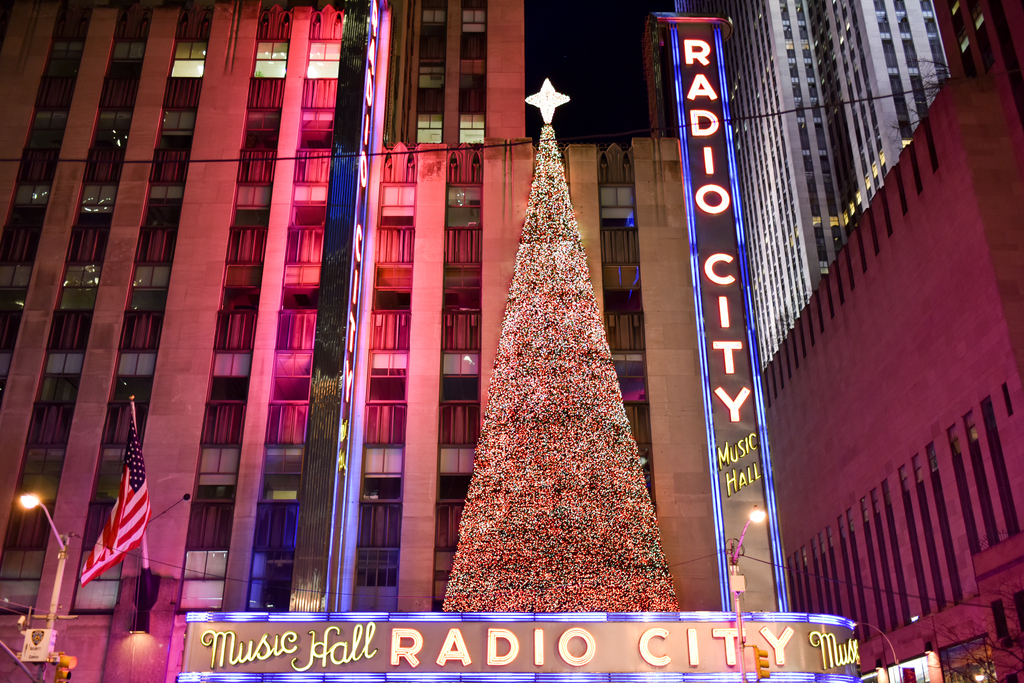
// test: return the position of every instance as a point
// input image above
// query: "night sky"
(591, 51)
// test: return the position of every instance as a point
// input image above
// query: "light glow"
(454, 648)
(407, 652)
(495, 634)
(568, 657)
(547, 100)
(29, 500)
(645, 647)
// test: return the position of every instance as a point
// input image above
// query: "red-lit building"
(895, 403)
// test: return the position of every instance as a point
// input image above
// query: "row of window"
(933, 566)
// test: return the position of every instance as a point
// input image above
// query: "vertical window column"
(380, 509)
(430, 93)
(473, 71)
(460, 359)
(624, 317)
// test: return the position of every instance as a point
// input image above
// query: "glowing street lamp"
(738, 584)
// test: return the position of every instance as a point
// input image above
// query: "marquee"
(375, 646)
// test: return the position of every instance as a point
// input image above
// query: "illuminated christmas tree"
(558, 517)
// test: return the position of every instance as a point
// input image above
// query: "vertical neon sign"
(362, 192)
(741, 474)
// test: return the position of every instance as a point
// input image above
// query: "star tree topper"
(547, 99)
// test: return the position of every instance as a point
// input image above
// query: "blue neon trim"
(538, 617)
(755, 366)
(716, 492)
(486, 677)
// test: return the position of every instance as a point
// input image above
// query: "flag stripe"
(128, 519)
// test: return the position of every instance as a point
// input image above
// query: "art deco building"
(173, 230)
(825, 96)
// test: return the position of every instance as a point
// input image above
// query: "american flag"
(124, 530)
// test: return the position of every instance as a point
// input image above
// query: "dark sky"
(591, 51)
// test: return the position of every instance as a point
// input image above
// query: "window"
(393, 288)
(135, 363)
(428, 127)
(463, 207)
(80, 285)
(253, 205)
(48, 129)
(101, 593)
(97, 199)
(397, 208)
(456, 466)
(62, 375)
(15, 275)
(112, 129)
(617, 207)
(149, 288)
(218, 473)
(271, 60)
(382, 474)
(460, 379)
(108, 476)
(471, 128)
(292, 372)
(377, 568)
(282, 471)
(630, 369)
(164, 206)
(431, 76)
(230, 376)
(189, 58)
(433, 16)
(462, 288)
(126, 62)
(41, 472)
(323, 60)
(474, 20)
(621, 288)
(262, 129)
(203, 587)
(64, 58)
(133, 50)
(32, 195)
(317, 129)
(387, 376)
(178, 127)
(273, 557)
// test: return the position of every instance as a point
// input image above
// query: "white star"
(547, 99)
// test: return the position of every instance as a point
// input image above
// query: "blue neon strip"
(716, 493)
(755, 366)
(539, 617)
(487, 677)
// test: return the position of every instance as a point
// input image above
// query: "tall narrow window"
(915, 542)
(944, 528)
(963, 488)
(995, 448)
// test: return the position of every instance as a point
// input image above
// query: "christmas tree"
(558, 517)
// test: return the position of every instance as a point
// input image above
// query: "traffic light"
(761, 663)
(65, 663)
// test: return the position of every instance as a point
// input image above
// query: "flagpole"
(145, 544)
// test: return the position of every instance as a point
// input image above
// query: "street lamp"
(738, 584)
(30, 501)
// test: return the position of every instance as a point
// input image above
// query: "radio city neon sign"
(737, 443)
(362, 193)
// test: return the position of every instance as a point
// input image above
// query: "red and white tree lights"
(558, 517)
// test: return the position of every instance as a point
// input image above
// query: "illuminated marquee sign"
(438, 647)
(694, 76)
(377, 9)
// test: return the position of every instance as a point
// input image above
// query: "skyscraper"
(825, 94)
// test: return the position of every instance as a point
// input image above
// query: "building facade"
(896, 396)
(825, 94)
(165, 187)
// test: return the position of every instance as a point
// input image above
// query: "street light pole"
(738, 585)
(30, 501)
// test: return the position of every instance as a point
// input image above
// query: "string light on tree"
(558, 517)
